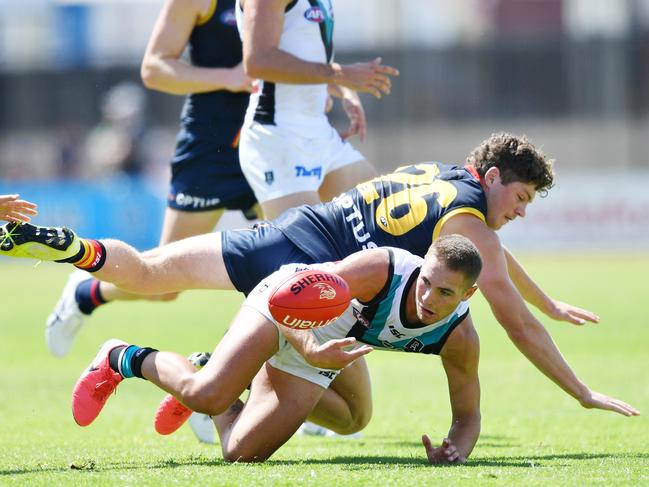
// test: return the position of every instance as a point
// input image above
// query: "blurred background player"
(206, 176)
(13, 209)
(290, 153)
(115, 145)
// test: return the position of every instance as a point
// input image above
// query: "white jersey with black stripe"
(307, 34)
(382, 323)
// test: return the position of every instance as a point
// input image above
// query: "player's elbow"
(254, 67)
(258, 64)
(151, 74)
(148, 74)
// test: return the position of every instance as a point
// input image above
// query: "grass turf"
(533, 433)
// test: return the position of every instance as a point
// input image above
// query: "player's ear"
(492, 176)
(469, 292)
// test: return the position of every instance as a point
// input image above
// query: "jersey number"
(400, 212)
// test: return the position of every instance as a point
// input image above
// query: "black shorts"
(207, 176)
(251, 255)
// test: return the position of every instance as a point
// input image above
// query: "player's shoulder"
(401, 257)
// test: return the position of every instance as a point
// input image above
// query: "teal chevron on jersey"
(378, 322)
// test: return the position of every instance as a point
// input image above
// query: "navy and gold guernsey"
(215, 43)
(405, 209)
(206, 174)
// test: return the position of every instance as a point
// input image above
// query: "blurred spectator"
(115, 145)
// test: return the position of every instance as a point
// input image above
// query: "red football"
(309, 299)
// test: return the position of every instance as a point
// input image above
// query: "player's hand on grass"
(372, 77)
(14, 210)
(561, 311)
(332, 354)
(444, 454)
(597, 400)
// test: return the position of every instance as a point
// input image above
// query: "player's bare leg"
(345, 178)
(277, 405)
(251, 340)
(346, 407)
(193, 263)
(177, 225)
(275, 207)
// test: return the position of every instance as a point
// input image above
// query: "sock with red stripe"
(91, 255)
(88, 296)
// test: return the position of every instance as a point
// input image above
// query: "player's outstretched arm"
(163, 70)
(460, 357)
(533, 294)
(13, 209)
(507, 305)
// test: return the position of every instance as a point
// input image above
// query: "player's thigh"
(275, 207)
(178, 224)
(277, 405)
(345, 177)
(192, 263)
(250, 340)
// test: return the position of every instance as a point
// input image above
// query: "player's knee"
(202, 399)
(355, 424)
(243, 453)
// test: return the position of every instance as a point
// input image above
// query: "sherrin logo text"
(315, 14)
(315, 278)
(297, 323)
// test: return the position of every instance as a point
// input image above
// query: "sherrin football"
(309, 299)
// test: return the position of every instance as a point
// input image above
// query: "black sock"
(127, 360)
(88, 296)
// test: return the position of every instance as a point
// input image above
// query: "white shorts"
(278, 162)
(287, 359)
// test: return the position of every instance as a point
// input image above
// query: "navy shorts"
(207, 176)
(251, 255)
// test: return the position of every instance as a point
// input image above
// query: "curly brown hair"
(516, 158)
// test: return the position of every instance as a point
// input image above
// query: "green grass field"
(533, 433)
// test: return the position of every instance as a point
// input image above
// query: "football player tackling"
(406, 209)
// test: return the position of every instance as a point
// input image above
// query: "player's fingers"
(343, 342)
(626, 408)
(427, 445)
(382, 82)
(360, 351)
(26, 206)
(387, 70)
(574, 320)
(585, 314)
(18, 217)
(8, 197)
